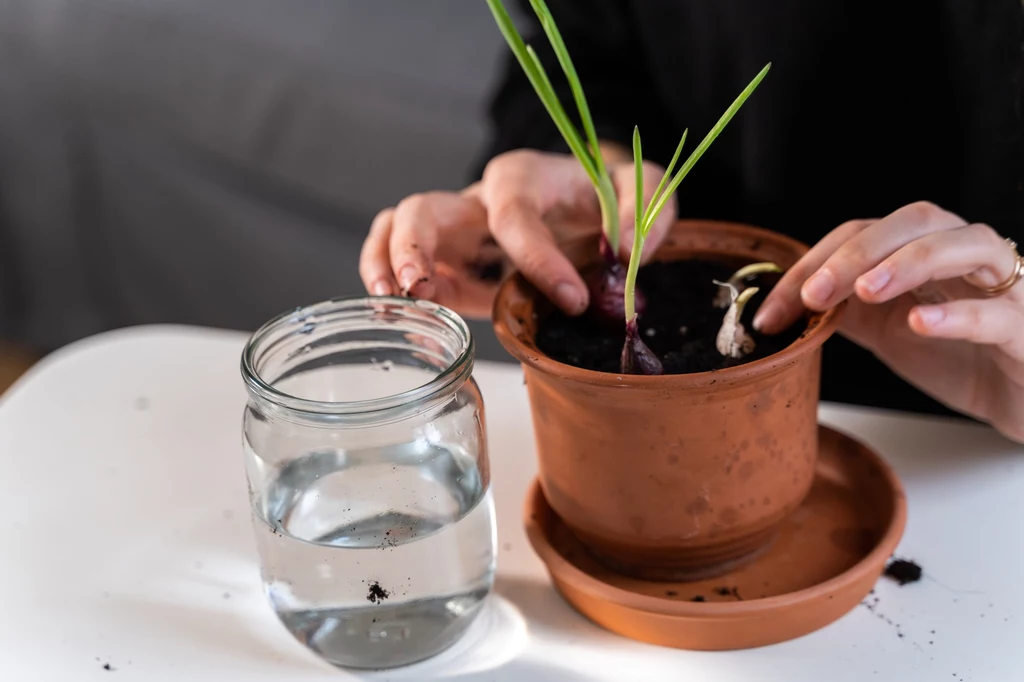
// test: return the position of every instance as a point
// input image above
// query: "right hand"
(440, 245)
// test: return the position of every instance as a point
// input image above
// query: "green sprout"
(588, 153)
(645, 220)
(636, 357)
(646, 217)
(722, 300)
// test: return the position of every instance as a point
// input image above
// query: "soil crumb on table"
(871, 604)
(903, 571)
(377, 594)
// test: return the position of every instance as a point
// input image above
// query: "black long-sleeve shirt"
(869, 105)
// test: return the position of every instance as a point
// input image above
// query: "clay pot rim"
(600, 591)
(825, 324)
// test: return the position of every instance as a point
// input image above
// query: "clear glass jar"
(366, 456)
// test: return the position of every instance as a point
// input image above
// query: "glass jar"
(366, 457)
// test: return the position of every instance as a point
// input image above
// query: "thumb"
(624, 179)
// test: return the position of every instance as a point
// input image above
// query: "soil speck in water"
(377, 594)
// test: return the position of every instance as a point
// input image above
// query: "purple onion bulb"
(637, 358)
(607, 287)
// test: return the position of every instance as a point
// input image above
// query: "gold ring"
(1011, 281)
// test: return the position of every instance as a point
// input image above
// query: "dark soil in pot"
(679, 325)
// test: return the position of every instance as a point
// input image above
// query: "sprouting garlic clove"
(729, 290)
(723, 298)
(733, 339)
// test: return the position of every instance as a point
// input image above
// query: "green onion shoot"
(636, 357)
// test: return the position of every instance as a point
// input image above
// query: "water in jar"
(376, 558)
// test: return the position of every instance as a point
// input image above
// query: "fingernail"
(569, 298)
(931, 316)
(381, 288)
(407, 276)
(875, 280)
(819, 288)
(765, 317)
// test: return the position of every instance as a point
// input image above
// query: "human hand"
(914, 281)
(454, 247)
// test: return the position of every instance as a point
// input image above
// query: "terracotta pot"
(681, 476)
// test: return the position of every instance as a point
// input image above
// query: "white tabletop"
(126, 542)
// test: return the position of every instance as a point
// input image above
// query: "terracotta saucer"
(825, 559)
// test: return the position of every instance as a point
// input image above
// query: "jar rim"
(452, 375)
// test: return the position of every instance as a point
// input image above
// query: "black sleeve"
(601, 40)
(986, 58)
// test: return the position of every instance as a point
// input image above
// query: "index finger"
(422, 223)
(784, 305)
(517, 191)
(519, 230)
(375, 256)
(836, 278)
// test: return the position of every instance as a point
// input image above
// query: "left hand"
(915, 281)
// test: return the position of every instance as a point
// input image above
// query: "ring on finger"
(1015, 276)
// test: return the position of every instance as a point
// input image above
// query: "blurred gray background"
(216, 162)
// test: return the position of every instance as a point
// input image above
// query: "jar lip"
(454, 373)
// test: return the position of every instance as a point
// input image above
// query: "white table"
(126, 542)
